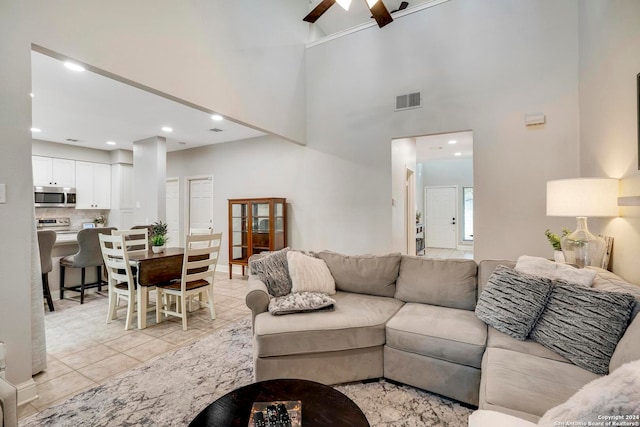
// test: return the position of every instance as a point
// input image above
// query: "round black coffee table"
(321, 405)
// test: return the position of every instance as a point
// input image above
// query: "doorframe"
(410, 214)
(167, 180)
(187, 199)
(457, 228)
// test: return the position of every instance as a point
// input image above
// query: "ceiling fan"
(377, 8)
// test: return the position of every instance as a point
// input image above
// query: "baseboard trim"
(27, 392)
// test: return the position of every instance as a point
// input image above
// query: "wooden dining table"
(154, 269)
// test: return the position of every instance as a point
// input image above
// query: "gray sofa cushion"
(512, 301)
(443, 333)
(448, 283)
(628, 348)
(273, 270)
(356, 322)
(497, 339)
(584, 325)
(364, 274)
(527, 383)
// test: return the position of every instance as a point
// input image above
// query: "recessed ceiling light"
(167, 129)
(217, 117)
(111, 143)
(36, 130)
(32, 95)
(453, 141)
(457, 154)
(73, 66)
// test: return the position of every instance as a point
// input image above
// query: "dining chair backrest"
(46, 240)
(136, 240)
(200, 232)
(116, 259)
(89, 254)
(200, 262)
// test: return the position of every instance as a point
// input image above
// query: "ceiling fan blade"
(380, 13)
(318, 11)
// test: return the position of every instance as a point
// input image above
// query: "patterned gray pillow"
(511, 301)
(273, 270)
(584, 325)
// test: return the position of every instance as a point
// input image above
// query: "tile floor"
(83, 351)
(439, 253)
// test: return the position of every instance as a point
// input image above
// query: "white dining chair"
(120, 279)
(198, 270)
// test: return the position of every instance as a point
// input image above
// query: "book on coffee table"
(279, 413)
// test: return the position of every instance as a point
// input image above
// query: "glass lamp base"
(583, 248)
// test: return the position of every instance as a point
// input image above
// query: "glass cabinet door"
(260, 226)
(278, 214)
(239, 231)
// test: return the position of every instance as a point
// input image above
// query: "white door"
(173, 212)
(200, 203)
(441, 217)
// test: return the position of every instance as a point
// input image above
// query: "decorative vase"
(157, 249)
(581, 247)
(558, 256)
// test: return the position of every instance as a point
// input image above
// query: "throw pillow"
(511, 301)
(309, 274)
(273, 271)
(611, 398)
(554, 270)
(301, 303)
(364, 274)
(584, 325)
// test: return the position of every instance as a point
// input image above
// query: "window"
(467, 211)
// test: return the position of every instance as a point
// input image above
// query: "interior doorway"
(410, 208)
(199, 203)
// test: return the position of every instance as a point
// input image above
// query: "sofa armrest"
(8, 404)
(257, 297)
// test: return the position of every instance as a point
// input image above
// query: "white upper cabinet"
(93, 185)
(48, 171)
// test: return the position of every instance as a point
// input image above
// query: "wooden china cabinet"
(255, 225)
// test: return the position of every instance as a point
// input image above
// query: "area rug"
(173, 388)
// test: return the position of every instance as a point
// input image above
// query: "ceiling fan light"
(371, 3)
(344, 3)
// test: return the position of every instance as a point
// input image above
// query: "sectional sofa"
(412, 320)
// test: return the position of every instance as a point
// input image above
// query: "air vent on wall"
(72, 140)
(411, 100)
(215, 130)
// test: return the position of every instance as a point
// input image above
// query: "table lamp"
(582, 198)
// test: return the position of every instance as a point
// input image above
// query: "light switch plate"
(3, 193)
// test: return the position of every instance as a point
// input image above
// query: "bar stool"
(89, 255)
(46, 240)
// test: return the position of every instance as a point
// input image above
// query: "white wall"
(480, 66)
(260, 167)
(609, 63)
(458, 172)
(15, 171)
(242, 58)
(66, 151)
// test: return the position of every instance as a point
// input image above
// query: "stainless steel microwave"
(54, 197)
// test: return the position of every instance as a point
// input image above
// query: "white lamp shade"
(587, 197)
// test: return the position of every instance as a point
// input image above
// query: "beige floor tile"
(163, 328)
(130, 340)
(87, 357)
(27, 410)
(181, 337)
(150, 349)
(232, 314)
(108, 367)
(55, 369)
(57, 388)
(60, 350)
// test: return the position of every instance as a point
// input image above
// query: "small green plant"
(554, 239)
(159, 233)
(158, 240)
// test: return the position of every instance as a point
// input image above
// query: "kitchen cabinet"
(93, 185)
(255, 225)
(53, 172)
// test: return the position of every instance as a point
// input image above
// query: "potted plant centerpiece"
(158, 236)
(99, 221)
(554, 239)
